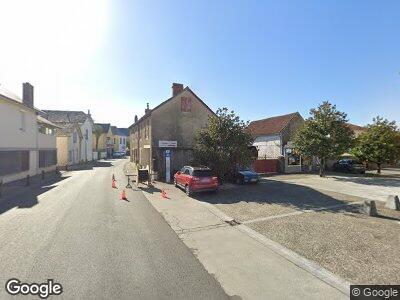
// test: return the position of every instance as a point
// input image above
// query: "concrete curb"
(300, 261)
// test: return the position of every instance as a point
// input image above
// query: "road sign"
(167, 144)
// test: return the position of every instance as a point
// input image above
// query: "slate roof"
(43, 120)
(123, 131)
(65, 116)
(104, 127)
(270, 126)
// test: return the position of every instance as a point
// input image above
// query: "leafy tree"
(324, 135)
(379, 144)
(224, 143)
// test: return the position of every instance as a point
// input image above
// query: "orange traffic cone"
(163, 194)
(123, 195)
(113, 178)
(113, 184)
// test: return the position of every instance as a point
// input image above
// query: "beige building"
(120, 138)
(171, 126)
(28, 142)
(74, 138)
(103, 140)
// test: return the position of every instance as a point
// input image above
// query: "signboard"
(167, 144)
(168, 166)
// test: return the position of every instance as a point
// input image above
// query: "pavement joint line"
(307, 265)
(208, 227)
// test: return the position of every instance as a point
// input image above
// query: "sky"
(258, 58)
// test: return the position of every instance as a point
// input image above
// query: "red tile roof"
(270, 126)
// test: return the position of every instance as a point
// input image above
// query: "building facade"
(28, 143)
(103, 142)
(168, 130)
(272, 139)
(120, 139)
(75, 136)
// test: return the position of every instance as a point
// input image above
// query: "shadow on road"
(370, 180)
(21, 196)
(90, 166)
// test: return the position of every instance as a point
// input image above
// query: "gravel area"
(361, 249)
(271, 198)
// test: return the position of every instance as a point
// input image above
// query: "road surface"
(81, 235)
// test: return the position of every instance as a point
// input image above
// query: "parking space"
(308, 215)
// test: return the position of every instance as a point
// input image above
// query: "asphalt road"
(79, 233)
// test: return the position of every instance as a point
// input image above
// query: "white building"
(75, 138)
(27, 140)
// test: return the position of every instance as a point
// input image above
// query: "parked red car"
(196, 179)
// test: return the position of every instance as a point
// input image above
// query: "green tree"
(379, 144)
(324, 135)
(224, 143)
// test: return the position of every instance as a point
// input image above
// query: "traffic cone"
(163, 194)
(123, 195)
(113, 184)
(113, 178)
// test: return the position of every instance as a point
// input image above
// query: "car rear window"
(202, 173)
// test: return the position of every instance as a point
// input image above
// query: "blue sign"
(167, 153)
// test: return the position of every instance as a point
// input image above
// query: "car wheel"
(188, 190)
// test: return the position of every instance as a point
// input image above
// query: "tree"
(324, 135)
(379, 144)
(224, 144)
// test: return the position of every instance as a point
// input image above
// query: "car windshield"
(202, 173)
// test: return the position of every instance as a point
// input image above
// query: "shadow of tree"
(26, 197)
(370, 180)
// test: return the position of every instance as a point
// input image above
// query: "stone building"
(169, 128)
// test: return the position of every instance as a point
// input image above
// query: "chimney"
(147, 108)
(27, 94)
(176, 88)
(136, 118)
(88, 113)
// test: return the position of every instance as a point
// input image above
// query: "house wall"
(168, 123)
(16, 139)
(62, 150)
(74, 149)
(268, 146)
(87, 141)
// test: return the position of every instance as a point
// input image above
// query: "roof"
(356, 127)
(66, 116)
(269, 126)
(122, 131)
(166, 101)
(103, 127)
(7, 95)
(42, 120)
(66, 128)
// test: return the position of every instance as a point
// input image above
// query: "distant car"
(349, 165)
(196, 179)
(245, 175)
(119, 154)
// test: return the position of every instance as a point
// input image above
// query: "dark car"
(119, 154)
(196, 179)
(349, 165)
(245, 175)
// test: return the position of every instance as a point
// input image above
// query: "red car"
(196, 179)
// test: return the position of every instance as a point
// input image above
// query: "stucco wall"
(86, 144)
(62, 150)
(268, 146)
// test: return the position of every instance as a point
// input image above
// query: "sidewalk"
(246, 263)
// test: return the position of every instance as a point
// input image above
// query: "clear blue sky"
(259, 58)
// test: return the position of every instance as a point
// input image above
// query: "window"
(74, 137)
(186, 104)
(47, 158)
(12, 162)
(86, 134)
(23, 125)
